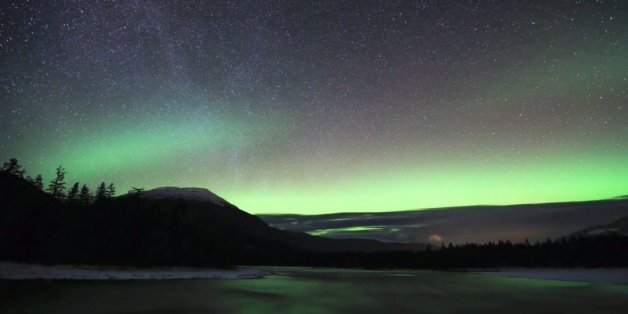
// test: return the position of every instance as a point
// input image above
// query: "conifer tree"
(73, 194)
(84, 195)
(57, 186)
(101, 192)
(136, 191)
(39, 182)
(136, 194)
(111, 191)
(13, 167)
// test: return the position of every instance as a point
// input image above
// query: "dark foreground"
(294, 290)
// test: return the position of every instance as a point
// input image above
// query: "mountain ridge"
(188, 193)
(618, 227)
(172, 230)
(477, 223)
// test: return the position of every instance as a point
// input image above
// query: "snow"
(602, 230)
(604, 275)
(19, 271)
(193, 194)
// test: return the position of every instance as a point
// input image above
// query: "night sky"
(315, 106)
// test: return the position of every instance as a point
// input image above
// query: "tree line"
(48, 228)
(77, 194)
(606, 250)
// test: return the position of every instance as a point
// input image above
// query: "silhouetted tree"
(73, 194)
(101, 192)
(84, 195)
(13, 167)
(111, 191)
(57, 185)
(136, 191)
(39, 182)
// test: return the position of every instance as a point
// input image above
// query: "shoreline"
(23, 271)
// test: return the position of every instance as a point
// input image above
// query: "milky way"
(322, 106)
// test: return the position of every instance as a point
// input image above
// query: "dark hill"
(617, 227)
(36, 227)
(29, 219)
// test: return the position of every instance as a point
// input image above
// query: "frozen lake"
(302, 290)
(17, 271)
(602, 275)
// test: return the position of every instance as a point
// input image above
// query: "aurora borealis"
(322, 106)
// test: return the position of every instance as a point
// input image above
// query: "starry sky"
(322, 106)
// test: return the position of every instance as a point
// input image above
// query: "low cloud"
(459, 224)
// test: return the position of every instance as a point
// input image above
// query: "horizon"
(616, 198)
(593, 190)
(281, 213)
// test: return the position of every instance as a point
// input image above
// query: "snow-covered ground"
(192, 194)
(604, 275)
(10, 270)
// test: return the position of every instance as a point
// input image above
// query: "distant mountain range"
(619, 227)
(457, 225)
(164, 226)
(173, 226)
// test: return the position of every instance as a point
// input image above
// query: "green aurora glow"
(542, 119)
(371, 185)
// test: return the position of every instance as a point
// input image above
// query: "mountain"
(194, 227)
(163, 226)
(205, 203)
(618, 227)
(478, 224)
(191, 194)
(27, 219)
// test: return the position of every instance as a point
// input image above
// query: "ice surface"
(10, 270)
(606, 275)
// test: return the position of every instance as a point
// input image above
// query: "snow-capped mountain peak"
(192, 194)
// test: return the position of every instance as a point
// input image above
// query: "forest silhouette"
(59, 225)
